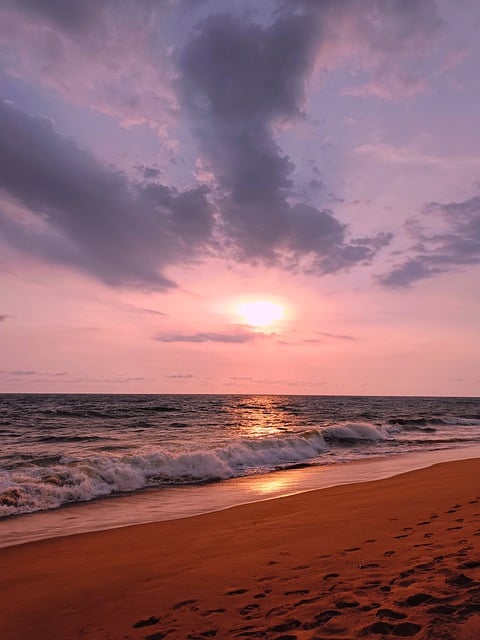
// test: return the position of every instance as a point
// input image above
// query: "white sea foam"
(355, 431)
(77, 479)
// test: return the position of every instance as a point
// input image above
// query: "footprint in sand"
(347, 604)
(184, 603)
(287, 625)
(265, 578)
(321, 619)
(147, 622)
(159, 635)
(404, 629)
(470, 564)
(244, 611)
(209, 633)
(416, 599)
(389, 553)
(211, 612)
(390, 614)
(460, 580)
(236, 592)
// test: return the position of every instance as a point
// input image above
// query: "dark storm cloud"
(239, 80)
(90, 217)
(457, 246)
(231, 338)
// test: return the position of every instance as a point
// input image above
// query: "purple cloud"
(231, 338)
(238, 80)
(90, 217)
(457, 246)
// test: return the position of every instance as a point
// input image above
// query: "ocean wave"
(79, 479)
(71, 413)
(424, 424)
(355, 431)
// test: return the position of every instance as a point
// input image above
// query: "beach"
(393, 557)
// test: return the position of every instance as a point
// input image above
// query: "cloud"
(93, 218)
(3, 317)
(458, 245)
(384, 153)
(104, 55)
(76, 15)
(238, 80)
(238, 337)
(29, 372)
(389, 42)
(119, 57)
(180, 376)
(336, 336)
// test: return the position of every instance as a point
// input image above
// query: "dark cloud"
(73, 15)
(90, 217)
(148, 173)
(238, 80)
(457, 246)
(237, 337)
(3, 317)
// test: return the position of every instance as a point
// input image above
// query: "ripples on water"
(57, 449)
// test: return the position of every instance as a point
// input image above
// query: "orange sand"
(391, 558)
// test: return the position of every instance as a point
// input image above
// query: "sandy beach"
(398, 557)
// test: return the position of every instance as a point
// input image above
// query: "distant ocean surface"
(59, 449)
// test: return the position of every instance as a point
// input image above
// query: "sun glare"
(260, 313)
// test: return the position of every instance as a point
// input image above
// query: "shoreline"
(171, 503)
(334, 562)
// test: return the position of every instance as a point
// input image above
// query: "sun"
(260, 313)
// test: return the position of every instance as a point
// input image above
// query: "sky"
(169, 170)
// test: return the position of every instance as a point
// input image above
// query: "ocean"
(62, 449)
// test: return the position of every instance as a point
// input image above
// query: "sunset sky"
(165, 164)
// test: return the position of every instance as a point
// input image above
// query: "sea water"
(57, 450)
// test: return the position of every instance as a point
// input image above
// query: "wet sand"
(392, 558)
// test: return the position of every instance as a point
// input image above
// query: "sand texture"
(385, 559)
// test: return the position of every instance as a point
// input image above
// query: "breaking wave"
(77, 479)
